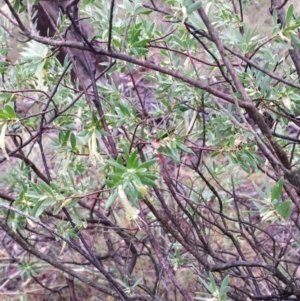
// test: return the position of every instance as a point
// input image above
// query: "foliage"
(149, 150)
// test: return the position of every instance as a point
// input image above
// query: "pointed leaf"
(118, 166)
(73, 141)
(45, 187)
(212, 282)
(111, 199)
(194, 7)
(147, 164)
(285, 209)
(268, 187)
(147, 181)
(55, 187)
(277, 189)
(289, 14)
(259, 191)
(10, 111)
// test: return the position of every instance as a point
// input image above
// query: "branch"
(33, 250)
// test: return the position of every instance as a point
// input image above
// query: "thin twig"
(111, 16)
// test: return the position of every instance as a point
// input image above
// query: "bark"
(47, 16)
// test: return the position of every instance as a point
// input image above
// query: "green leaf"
(208, 287)
(142, 11)
(232, 158)
(5, 96)
(149, 175)
(135, 36)
(289, 14)
(23, 8)
(172, 151)
(212, 282)
(57, 209)
(111, 183)
(137, 282)
(183, 148)
(116, 176)
(243, 163)
(16, 5)
(48, 202)
(268, 187)
(132, 160)
(111, 199)
(36, 52)
(128, 6)
(120, 160)
(4, 50)
(259, 191)
(285, 209)
(61, 135)
(194, 7)
(38, 209)
(214, 154)
(132, 193)
(224, 286)
(117, 165)
(127, 155)
(36, 188)
(295, 40)
(147, 181)
(45, 187)
(73, 141)
(147, 164)
(287, 102)
(291, 28)
(55, 187)
(33, 195)
(136, 180)
(277, 189)
(3, 115)
(66, 138)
